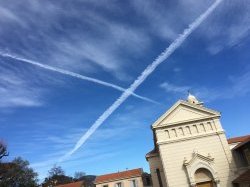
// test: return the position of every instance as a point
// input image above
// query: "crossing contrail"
(76, 75)
(150, 68)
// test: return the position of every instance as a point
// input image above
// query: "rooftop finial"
(192, 99)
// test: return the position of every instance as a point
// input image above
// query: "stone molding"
(181, 123)
(190, 137)
(212, 113)
(200, 161)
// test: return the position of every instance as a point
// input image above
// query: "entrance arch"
(203, 178)
(200, 171)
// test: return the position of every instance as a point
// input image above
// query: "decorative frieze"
(186, 130)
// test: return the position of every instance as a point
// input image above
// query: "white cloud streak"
(235, 16)
(161, 58)
(101, 42)
(75, 75)
(17, 91)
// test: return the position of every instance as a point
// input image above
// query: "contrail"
(76, 75)
(162, 57)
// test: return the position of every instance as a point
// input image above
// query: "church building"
(191, 149)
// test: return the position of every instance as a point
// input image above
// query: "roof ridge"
(119, 175)
(120, 172)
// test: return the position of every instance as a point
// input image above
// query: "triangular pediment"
(183, 111)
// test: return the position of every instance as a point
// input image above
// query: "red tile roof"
(243, 178)
(242, 144)
(238, 139)
(73, 184)
(118, 175)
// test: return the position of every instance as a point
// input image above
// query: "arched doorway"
(203, 178)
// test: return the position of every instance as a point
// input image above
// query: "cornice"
(180, 123)
(190, 137)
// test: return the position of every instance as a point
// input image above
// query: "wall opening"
(203, 178)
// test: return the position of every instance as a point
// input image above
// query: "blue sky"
(44, 113)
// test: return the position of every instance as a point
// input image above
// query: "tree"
(56, 176)
(56, 170)
(78, 175)
(3, 150)
(17, 174)
(88, 180)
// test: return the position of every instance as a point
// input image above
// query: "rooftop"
(238, 139)
(119, 175)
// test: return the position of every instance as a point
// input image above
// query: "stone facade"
(191, 148)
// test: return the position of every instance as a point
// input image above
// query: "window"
(119, 184)
(148, 181)
(133, 183)
(159, 177)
